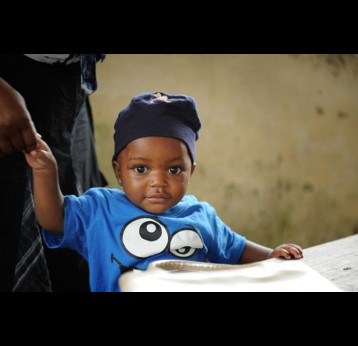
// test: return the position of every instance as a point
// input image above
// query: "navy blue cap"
(158, 114)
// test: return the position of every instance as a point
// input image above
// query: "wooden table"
(337, 261)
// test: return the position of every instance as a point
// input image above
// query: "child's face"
(155, 172)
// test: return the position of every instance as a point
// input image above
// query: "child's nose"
(158, 179)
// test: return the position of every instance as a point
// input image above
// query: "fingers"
(15, 140)
(38, 158)
(17, 131)
(289, 251)
(6, 147)
(294, 250)
(41, 147)
(285, 253)
(29, 138)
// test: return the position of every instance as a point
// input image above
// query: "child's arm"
(47, 194)
(254, 252)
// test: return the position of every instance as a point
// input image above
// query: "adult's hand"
(17, 131)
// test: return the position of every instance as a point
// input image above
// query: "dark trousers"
(12, 192)
(54, 98)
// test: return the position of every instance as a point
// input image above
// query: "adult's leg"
(12, 182)
(85, 165)
(84, 151)
(53, 96)
(31, 260)
(61, 101)
(18, 244)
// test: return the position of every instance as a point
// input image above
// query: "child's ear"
(116, 170)
(193, 166)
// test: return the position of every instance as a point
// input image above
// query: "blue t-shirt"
(114, 235)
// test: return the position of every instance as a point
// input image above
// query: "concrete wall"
(278, 152)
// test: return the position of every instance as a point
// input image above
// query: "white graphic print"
(145, 237)
(185, 242)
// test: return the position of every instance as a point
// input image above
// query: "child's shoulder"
(191, 199)
(100, 192)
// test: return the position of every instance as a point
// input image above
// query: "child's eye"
(174, 170)
(140, 169)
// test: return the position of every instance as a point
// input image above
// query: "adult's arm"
(17, 131)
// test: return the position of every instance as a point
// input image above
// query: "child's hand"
(287, 251)
(41, 157)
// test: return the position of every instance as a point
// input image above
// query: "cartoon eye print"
(145, 237)
(185, 242)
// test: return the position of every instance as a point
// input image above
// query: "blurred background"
(278, 151)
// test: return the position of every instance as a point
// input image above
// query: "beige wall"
(278, 152)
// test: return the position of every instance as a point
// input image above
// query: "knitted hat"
(158, 114)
